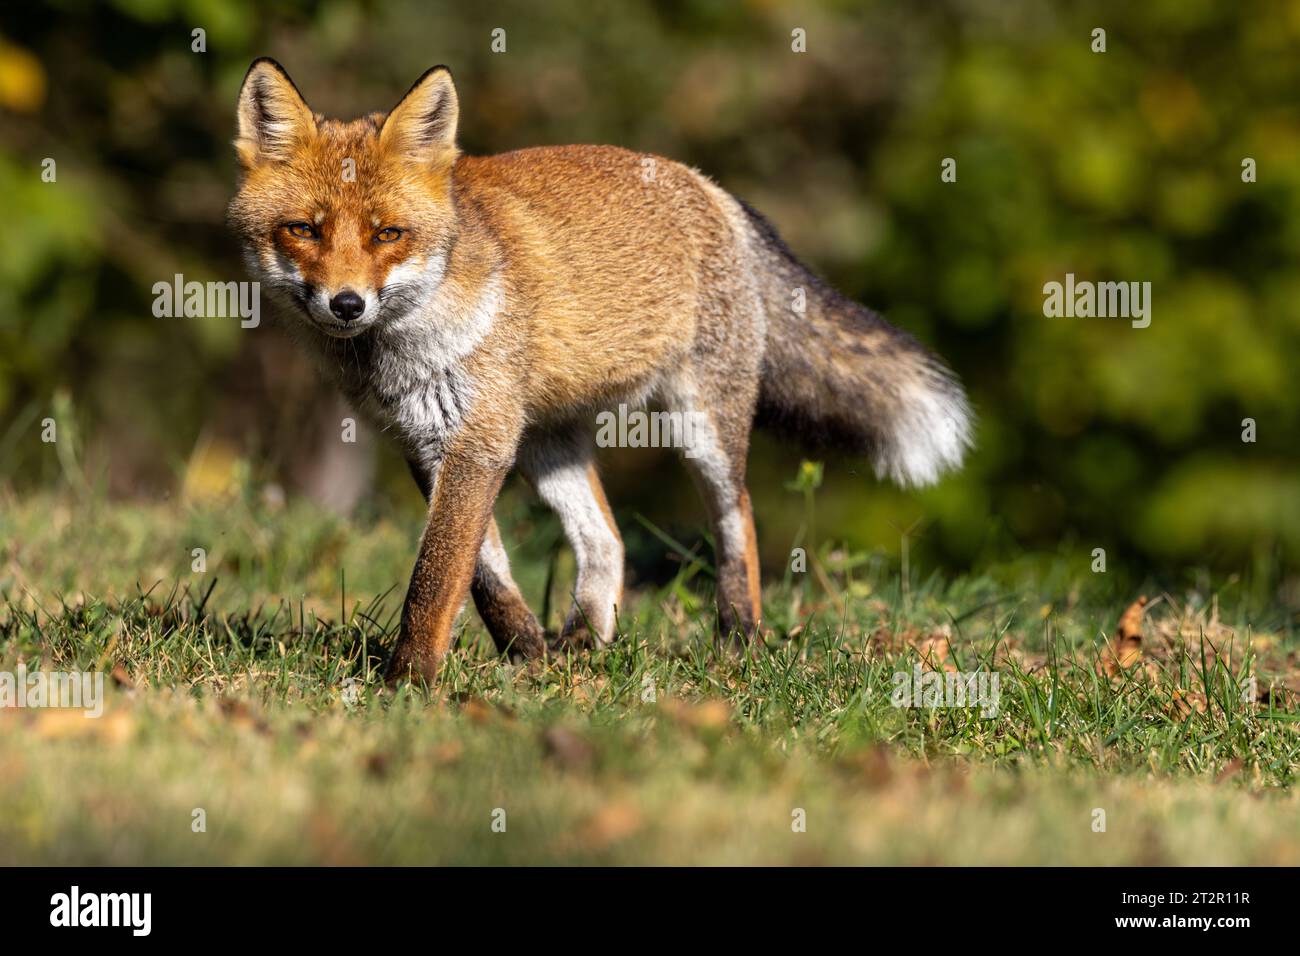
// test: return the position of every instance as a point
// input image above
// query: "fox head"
(349, 222)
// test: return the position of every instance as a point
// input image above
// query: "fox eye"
(301, 230)
(388, 234)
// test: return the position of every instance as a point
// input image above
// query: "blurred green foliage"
(1124, 165)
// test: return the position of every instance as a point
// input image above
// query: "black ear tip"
(432, 71)
(440, 68)
(266, 61)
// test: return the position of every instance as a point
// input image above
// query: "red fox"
(484, 310)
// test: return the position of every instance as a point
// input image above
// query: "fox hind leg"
(731, 518)
(716, 390)
(716, 446)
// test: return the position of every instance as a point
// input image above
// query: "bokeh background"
(1124, 165)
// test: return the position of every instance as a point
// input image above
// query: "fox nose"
(347, 305)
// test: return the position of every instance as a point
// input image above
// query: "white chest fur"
(421, 402)
(412, 380)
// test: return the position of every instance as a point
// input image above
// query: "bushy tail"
(840, 376)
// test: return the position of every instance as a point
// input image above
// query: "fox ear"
(273, 117)
(422, 126)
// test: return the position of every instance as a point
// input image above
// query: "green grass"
(252, 691)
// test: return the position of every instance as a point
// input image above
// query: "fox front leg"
(460, 508)
(515, 630)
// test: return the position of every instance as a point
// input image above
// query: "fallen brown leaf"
(1125, 648)
(934, 651)
(1185, 702)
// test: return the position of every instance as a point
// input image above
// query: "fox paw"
(526, 647)
(576, 639)
(408, 665)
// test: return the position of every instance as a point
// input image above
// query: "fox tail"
(837, 375)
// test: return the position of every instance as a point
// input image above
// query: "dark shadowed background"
(1124, 165)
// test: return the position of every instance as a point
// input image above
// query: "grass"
(250, 691)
